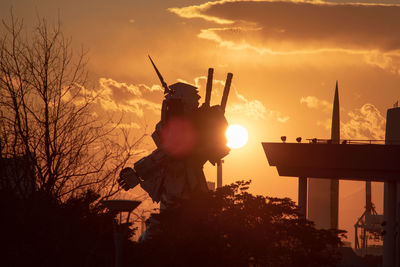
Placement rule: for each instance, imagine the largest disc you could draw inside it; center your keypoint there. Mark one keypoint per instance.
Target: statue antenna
(163, 83)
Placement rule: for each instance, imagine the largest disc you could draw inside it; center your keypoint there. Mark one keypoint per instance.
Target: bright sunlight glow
(237, 136)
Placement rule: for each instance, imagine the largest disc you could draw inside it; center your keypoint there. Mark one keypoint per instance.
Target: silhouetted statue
(186, 137)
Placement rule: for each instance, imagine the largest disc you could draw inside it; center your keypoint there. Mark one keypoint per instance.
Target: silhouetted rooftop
(325, 160)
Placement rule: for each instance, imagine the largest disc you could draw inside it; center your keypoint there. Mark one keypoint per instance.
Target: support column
(397, 226)
(389, 213)
(334, 203)
(302, 196)
(219, 173)
(391, 250)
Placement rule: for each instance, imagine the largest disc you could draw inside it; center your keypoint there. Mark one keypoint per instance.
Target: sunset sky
(285, 57)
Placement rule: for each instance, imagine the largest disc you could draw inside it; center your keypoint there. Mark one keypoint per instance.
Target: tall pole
(219, 173)
(118, 244)
(368, 197)
(302, 196)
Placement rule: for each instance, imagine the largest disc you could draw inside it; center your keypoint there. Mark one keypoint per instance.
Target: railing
(348, 141)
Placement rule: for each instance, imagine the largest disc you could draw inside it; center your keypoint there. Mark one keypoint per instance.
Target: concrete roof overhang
(338, 161)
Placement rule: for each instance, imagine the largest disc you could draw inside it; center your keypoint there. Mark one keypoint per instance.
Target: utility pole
(219, 173)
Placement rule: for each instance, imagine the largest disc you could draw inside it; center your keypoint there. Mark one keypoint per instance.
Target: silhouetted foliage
(372, 260)
(231, 227)
(39, 231)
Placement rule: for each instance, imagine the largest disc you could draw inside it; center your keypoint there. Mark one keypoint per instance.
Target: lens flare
(237, 136)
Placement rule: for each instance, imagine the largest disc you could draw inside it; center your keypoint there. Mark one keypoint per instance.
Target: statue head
(187, 93)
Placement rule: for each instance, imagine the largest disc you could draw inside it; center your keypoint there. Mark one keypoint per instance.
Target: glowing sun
(237, 136)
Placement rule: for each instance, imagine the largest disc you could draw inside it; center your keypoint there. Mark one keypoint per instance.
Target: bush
(39, 231)
(231, 227)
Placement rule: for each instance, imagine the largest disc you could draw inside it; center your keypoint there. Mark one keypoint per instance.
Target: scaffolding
(368, 227)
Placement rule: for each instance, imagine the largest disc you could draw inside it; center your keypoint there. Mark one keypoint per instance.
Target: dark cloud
(286, 26)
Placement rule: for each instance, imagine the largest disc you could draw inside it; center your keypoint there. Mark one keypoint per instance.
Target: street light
(120, 228)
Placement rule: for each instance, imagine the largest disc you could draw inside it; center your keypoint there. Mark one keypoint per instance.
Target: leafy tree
(231, 227)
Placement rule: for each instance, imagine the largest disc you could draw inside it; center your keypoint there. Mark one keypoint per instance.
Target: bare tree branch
(46, 114)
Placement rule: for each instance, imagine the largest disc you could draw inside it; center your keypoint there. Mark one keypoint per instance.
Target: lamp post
(219, 173)
(120, 228)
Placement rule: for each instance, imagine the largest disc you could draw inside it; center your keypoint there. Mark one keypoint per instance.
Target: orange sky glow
(285, 57)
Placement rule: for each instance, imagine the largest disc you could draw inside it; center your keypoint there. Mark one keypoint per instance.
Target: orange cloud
(253, 109)
(118, 96)
(389, 61)
(199, 12)
(238, 104)
(314, 102)
(365, 123)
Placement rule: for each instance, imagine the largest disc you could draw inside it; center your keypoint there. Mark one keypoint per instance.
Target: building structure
(17, 174)
(350, 161)
(370, 226)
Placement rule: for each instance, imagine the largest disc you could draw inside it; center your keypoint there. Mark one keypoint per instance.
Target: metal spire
(335, 129)
(335, 137)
